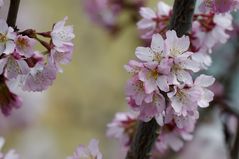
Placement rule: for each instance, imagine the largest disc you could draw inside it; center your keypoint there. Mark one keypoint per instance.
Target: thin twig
(12, 13)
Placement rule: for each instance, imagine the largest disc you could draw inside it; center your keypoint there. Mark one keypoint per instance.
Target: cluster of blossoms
(106, 12)
(162, 88)
(208, 29)
(32, 70)
(11, 154)
(219, 6)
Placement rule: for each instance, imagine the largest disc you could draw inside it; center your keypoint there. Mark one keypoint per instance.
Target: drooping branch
(181, 20)
(12, 13)
(147, 133)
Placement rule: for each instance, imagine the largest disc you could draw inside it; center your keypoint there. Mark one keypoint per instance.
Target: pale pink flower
(153, 108)
(58, 58)
(153, 78)
(7, 37)
(201, 83)
(24, 45)
(218, 6)
(90, 152)
(186, 123)
(123, 127)
(103, 12)
(184, 99)
(13, 66)
(135, 90)
(134, 66)
(154, 53)
(173, 139)
(177, 49)
(215, 33)
(40, 77)
(62, 36)
(153, 21)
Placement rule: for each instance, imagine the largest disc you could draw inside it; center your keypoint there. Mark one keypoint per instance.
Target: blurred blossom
(218, 6)
(90, 152)
(11, 154)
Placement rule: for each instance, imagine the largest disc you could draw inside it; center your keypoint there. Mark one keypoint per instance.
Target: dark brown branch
(182, 17)
(12, 13)
(147, 133)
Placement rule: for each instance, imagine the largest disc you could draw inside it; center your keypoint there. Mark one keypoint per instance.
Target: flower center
(22, 43)
(175, 52)
(157, 56)
(3, 38)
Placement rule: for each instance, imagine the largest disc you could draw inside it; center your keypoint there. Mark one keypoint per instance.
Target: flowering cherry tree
(170, 83)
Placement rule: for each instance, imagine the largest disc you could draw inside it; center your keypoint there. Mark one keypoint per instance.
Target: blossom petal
(144, 54)
(204, 80)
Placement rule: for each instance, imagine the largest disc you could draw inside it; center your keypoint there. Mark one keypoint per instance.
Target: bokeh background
(84, 98)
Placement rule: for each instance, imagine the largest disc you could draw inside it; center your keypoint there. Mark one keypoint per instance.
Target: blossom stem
(147, 133)
(12, 13)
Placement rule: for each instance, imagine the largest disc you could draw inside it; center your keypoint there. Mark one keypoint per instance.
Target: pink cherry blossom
(135, 90)
(123, 127)
(201, 83)
(152, 108)
(58, 57)
(24, 45)
(184, 99)
(90, 152)
(153, 22)
(134, 66)
(101, 12)
(173, 139)
(153, 54)
(7, 37)
(40, 77)
(153, 78)
(62, 36)
(218, 6)
(13, 66)
(177, 49)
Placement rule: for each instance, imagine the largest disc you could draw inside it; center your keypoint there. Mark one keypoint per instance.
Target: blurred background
(84, 98)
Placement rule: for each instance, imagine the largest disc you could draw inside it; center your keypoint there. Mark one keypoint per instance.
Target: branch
(182, 17)
(147, 133)
(12, 13)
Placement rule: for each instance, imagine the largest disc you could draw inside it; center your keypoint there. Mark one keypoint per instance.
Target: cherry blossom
(40, 77)
(90, 152)
(25, 45)
(153, 21)
(7, 37)
(218, 6)
(122, 127)
(62, 36)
